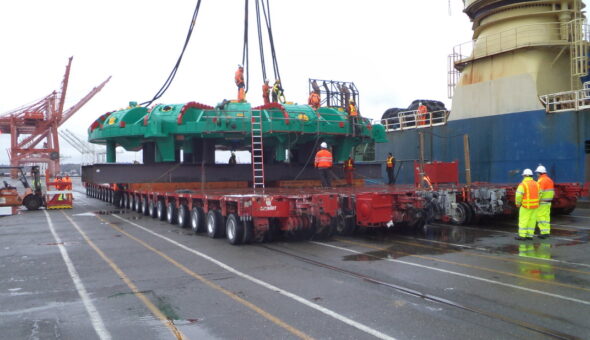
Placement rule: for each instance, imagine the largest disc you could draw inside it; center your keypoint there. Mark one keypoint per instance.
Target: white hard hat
(240, 66)
(527, 172)
(325, 146)
(541, 169)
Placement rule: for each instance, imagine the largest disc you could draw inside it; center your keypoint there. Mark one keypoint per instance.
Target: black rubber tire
(171, 213)
(161, 210)
(463, 214)
(344, 226)
(137, 204)
(183, 216)
(234, 229)
(248, 232)
(470, 212)
(145, 206)
(215, 225)
(117, 199)
(32, 202)
(327, 231)
(153, 209)
(431, 105)
(129, 201)
(198, 220)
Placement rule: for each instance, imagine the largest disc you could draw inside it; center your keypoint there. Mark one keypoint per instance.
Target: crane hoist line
(262, 14)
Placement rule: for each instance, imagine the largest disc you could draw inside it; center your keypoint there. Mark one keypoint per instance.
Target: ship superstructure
(522, 52)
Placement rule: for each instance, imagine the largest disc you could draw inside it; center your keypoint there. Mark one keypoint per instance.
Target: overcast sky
(394, 51)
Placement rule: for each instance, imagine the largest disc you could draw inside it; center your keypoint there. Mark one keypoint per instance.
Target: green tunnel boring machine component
(197, 130)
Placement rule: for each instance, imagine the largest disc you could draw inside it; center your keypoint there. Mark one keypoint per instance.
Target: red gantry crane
(33, 128)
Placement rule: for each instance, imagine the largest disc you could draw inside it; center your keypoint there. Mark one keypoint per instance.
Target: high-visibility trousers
(527, 221)
(544, 218)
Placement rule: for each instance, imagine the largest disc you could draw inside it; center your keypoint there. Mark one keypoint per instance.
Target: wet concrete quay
(97, 272)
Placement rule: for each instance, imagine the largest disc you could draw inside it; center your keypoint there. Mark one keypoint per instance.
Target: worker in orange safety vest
(314, 100)
(323, 162)
(546, 196)
(68, 186)
(349, 170)
(422, 112)
(239, 79)
(527, 199)
(266, 92)
(60, 185)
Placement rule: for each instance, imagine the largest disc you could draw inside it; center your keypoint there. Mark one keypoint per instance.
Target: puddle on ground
(442, 233)
(398, 250)
(109, 212)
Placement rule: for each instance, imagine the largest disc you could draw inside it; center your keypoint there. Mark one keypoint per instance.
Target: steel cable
(172, 74)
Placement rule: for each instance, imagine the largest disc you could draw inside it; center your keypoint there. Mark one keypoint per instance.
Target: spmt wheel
(234, 229)
(197, 220)
(344, 226)
(129, 201)
(214, 224)
(462, 214)
(171, 213)
(248, 231)
(161, 210)
(153, 209)
(183, 216)
(145, 206)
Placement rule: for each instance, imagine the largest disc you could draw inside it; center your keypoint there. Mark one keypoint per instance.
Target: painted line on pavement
(467, 265)
(269, 286)
(155, 310)
(513, 233)
(491, 257)
(490, 250)
(217, 287)
(95, 317)
(457, 274)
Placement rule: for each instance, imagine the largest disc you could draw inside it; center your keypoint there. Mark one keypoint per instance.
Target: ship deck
(97, 271)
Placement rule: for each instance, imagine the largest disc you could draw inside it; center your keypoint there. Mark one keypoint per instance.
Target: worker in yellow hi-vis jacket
(527, 199)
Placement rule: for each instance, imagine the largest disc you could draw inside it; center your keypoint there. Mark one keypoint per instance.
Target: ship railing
(567, 101)
(407, 120)
(542, 34)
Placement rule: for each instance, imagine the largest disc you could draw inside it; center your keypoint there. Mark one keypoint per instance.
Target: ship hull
(501, 146)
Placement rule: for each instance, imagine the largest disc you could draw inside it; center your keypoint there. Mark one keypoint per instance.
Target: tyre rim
(210, 226)
(461, 214)
(231, 230)
(194, 221)
(181, 216)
